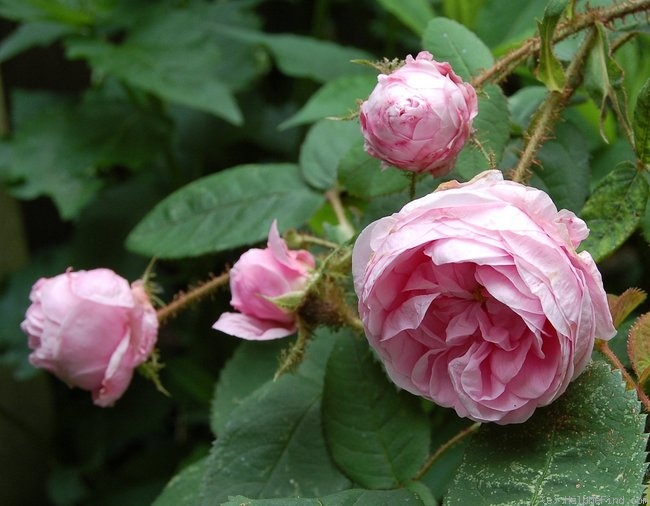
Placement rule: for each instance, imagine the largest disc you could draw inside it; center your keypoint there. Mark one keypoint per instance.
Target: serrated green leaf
(491, 129)
(622, 305)
(524, 103)
(638, 346)
(59, 151)
(252, 365)
(450, 41)
(463, 11)
(324, 147)
(378, 436)
(337, 97)
(588, 443)
(445, 424)
(614, 210)
(500, 26)
(363, 176)
(549, 70)
(170, 54)
(27, 104)
(645, 224)
(32, 34)
(26, 424)
(604, 82)
(75, 13)
(352, 497)
(301, 56)
(563, 172)
(321, 60)
(183, 489)
(224, 210)
(415, 14)
(641, 125)
(422, 492)
(273, 445)
(164, 71)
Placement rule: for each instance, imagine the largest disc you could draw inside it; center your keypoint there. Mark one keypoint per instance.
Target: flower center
(480, 294)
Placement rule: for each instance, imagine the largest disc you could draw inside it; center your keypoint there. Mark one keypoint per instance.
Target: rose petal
(250, 328)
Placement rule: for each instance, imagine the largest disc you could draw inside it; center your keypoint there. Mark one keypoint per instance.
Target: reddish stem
(183, 300)
(604, 348)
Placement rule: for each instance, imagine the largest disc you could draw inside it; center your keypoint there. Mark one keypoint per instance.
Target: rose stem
(293, 357)
(444, 447)
(183, 300)
(310, 239)
(604, 348)
(604, 15)
(334, 199)
(549, 112)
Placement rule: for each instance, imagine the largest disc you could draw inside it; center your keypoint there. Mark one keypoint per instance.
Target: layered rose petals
(259, 276)
(419, 117)
(474, 297)
(91, 329)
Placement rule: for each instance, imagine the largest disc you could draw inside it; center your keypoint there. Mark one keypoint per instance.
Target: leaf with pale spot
(590, 442)
(641, 124)
(352, 497)
(614, 210)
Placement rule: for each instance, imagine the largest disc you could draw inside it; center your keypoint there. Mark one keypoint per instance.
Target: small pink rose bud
(419, 117)
(258, 277)
(90, 329)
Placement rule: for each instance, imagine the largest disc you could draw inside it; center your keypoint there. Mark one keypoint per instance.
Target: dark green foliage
(181, 129)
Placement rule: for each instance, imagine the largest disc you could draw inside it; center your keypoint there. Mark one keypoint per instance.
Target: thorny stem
(604, 348)
(338, 260)
(444, 447)
(488, 156)
(548, 113)
(293, 357)
(183, 300)
(310, 239)
(605, 15)
(334, 199)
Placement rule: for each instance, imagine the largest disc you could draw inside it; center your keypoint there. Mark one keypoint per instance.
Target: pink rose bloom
(475, 298)
(419, 117)
(90, 329)
(260, 275)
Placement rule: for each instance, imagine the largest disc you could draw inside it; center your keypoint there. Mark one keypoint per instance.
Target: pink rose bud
(474, 297)
(259, 276)
(90, 329)
(419, 117)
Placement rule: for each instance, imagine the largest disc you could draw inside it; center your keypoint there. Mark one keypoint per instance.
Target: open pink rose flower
(90, 329)
(259, 276)
(474, 297)
(419, 117)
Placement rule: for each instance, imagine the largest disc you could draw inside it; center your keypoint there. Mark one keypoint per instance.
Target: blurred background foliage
(110, 105)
